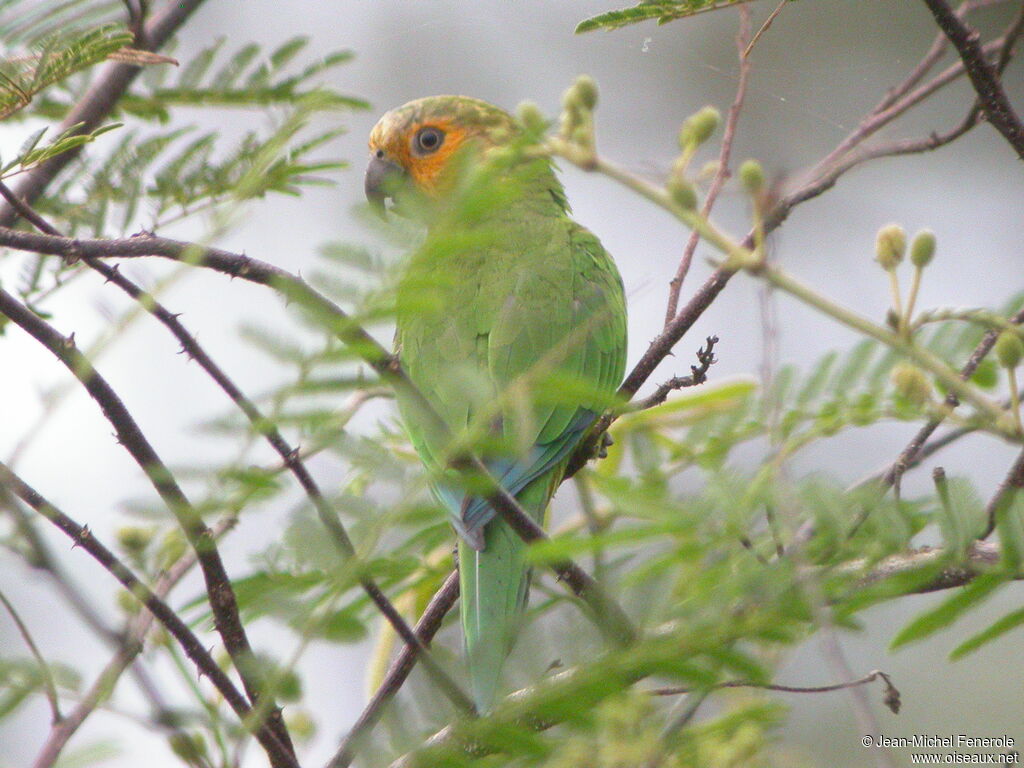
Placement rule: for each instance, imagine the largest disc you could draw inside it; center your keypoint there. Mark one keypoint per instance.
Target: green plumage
(512, 324)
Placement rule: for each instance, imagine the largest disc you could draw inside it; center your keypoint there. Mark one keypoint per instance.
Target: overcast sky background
(817, 70)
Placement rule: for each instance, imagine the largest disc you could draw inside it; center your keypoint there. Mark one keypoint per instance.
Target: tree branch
(890, 695)
(426, 628)
(129, 649)
(218, 585)
(193, 647)
(722, 174)
(984, 76)
(908, 454)
(291, 457)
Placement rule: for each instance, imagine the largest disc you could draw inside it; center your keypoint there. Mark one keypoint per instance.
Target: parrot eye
(427, 140)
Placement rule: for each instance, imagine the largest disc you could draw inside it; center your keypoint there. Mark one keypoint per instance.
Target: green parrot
(511, 322)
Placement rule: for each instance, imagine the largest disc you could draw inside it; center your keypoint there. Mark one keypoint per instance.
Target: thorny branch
(218, 585)
(290, 456)
(280, 753)
(129, 649)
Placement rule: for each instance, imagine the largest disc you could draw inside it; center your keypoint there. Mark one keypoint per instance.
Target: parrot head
(414, 148)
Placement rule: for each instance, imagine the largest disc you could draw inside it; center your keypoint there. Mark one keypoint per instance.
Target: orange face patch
(397, 139)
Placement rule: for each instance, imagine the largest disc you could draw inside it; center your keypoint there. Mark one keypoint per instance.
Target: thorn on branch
(698, 375)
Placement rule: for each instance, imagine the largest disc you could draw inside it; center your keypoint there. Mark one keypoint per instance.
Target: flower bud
(683, 193)
(133, 539)
(531, 118)
(1009, 349)
(890, 245)
(912, 383)
(699, 127)
(752, 176)
(582, 94)
(922, 249)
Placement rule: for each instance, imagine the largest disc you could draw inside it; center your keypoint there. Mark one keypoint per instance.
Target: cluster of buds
(890, 251)
(1009, 350)
(578, 104)
(696, 129)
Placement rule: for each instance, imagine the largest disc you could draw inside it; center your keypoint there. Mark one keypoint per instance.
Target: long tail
(494, 589)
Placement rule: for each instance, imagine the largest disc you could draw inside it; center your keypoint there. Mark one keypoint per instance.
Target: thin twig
(426, 628)
(49, 686)
(722, 173)
(698, 375)
(1011, 485)
(891, 696)
(290, 456)
(983, 75)
(218, 585)
(193, 647)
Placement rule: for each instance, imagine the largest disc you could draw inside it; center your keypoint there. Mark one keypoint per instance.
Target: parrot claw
(607, 441)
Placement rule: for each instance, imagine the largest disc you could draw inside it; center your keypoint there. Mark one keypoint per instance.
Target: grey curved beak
(382, 178)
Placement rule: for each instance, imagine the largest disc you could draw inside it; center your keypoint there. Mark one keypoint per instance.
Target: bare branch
(698, 375)
(426, 628)
(744, 44)
(193, 647)
(984, 76)
(890, 695)
(218, 585)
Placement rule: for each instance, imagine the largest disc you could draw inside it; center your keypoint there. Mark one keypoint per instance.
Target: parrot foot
(606, 442)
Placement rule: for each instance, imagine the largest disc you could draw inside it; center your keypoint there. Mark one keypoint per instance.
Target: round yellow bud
(912, 383)
(922, 249)
(531, 118)
(890, 245)
(134, 539)
(699, 127)
(683, 193)
(752, 176)
(584, 92)
(1009, 349)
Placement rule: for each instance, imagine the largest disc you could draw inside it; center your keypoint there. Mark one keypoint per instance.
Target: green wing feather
(541, 306)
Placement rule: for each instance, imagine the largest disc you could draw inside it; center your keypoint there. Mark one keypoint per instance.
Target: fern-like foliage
(663, 12)
(52, 60)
